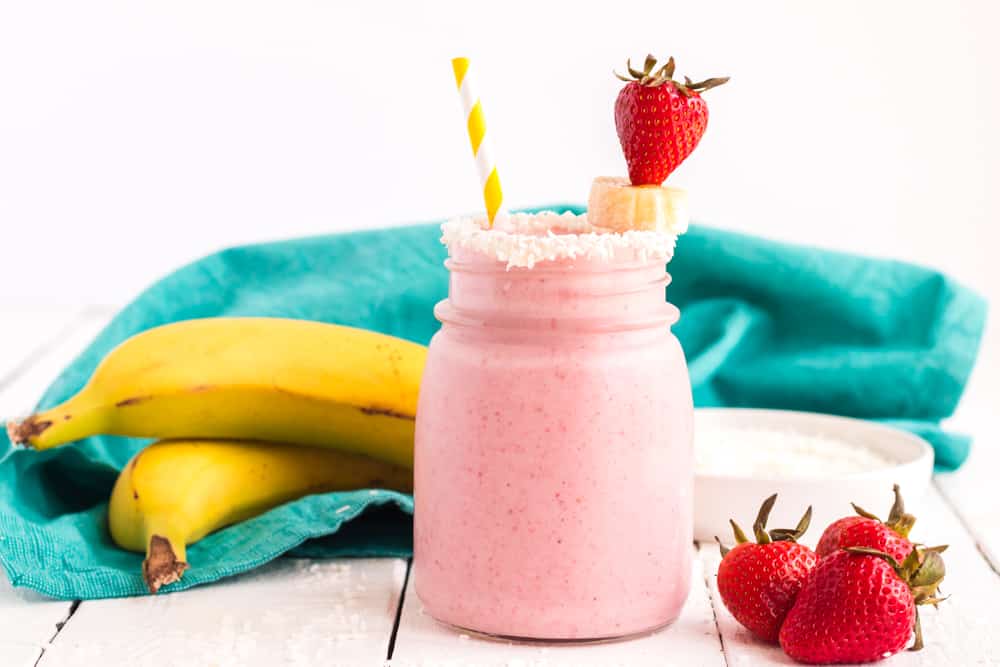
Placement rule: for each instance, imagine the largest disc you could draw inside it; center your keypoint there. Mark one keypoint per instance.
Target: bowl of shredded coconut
(744, 455)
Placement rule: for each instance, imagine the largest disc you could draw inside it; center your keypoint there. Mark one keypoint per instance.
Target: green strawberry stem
(647, 77)
(760, 523)
(918, 633)
(899, 521)
(792, 535)
(722, 548)
(738, 532)
(764, 536)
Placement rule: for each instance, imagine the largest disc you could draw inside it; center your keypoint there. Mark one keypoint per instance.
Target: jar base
(556, 641)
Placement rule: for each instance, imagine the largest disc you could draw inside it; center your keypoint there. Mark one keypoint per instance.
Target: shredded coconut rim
(525, 239)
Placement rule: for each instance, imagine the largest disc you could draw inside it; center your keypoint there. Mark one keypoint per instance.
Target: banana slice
(615, 205)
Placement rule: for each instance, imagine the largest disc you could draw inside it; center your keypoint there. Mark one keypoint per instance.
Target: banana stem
(165, 561)
(62, 424)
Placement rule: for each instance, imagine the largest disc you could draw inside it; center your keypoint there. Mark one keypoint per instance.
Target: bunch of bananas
(250, 413)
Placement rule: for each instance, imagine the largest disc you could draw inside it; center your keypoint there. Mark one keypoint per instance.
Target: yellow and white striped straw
(488, 178)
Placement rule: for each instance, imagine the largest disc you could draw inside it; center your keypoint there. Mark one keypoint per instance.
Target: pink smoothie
(553, 477)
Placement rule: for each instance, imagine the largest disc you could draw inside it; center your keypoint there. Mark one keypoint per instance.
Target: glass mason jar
(554, 464)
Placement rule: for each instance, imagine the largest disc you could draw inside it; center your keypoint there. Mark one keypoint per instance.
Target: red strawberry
(859, 605)
(867, 530)
(758, 581)
(659, 120)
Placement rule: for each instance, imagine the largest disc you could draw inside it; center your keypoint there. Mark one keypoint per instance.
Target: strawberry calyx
(764, 536)
(665, 74)
(899, 521)
(923, 570)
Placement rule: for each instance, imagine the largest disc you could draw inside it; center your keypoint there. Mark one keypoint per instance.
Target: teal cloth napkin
(763, 324)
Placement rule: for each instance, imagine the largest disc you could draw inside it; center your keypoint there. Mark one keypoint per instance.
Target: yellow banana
(175, 492)
(248, 378)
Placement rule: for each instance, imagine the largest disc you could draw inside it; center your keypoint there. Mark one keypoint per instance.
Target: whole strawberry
(867, 530)
(659, 120)
(758, 581)
(859, 605)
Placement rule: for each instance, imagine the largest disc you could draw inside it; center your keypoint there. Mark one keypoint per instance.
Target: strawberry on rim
(659, 120)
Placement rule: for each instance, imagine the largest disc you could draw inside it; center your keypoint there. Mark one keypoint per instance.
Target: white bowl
(719, 497)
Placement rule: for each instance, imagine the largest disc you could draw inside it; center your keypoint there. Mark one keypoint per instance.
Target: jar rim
(487, 265)
(525, 240)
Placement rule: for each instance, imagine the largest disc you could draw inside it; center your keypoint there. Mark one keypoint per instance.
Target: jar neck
(578, 295)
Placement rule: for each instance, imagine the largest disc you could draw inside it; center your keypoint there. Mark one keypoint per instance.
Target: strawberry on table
(859, 605)
(759, 581)
(659, 120)
(867, 530)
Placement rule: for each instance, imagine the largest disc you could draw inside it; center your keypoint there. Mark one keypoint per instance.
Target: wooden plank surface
(972, 493)
(972, 490)
(34, 346)
(691, 640)
(290, 612)
(960, 632)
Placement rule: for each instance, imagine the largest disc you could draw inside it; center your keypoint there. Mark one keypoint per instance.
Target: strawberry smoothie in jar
(553, 471)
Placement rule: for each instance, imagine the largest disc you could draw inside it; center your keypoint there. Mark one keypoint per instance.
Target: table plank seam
(967, 527)
(59, 628)
(706, 573)
(399, 611)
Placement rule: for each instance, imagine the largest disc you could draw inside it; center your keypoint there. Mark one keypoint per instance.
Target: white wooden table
(364, 612)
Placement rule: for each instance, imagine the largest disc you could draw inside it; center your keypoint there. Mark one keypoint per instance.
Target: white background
(136, 136)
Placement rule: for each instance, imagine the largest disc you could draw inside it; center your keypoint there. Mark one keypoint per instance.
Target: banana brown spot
(32, 427)
(131, 401)
(161, 566)
(382, 412)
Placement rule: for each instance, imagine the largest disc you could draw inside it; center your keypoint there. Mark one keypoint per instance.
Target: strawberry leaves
(899, 521)
(647, 77)
(760, 532)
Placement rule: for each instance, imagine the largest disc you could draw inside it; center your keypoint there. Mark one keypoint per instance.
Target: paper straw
(488, 179)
